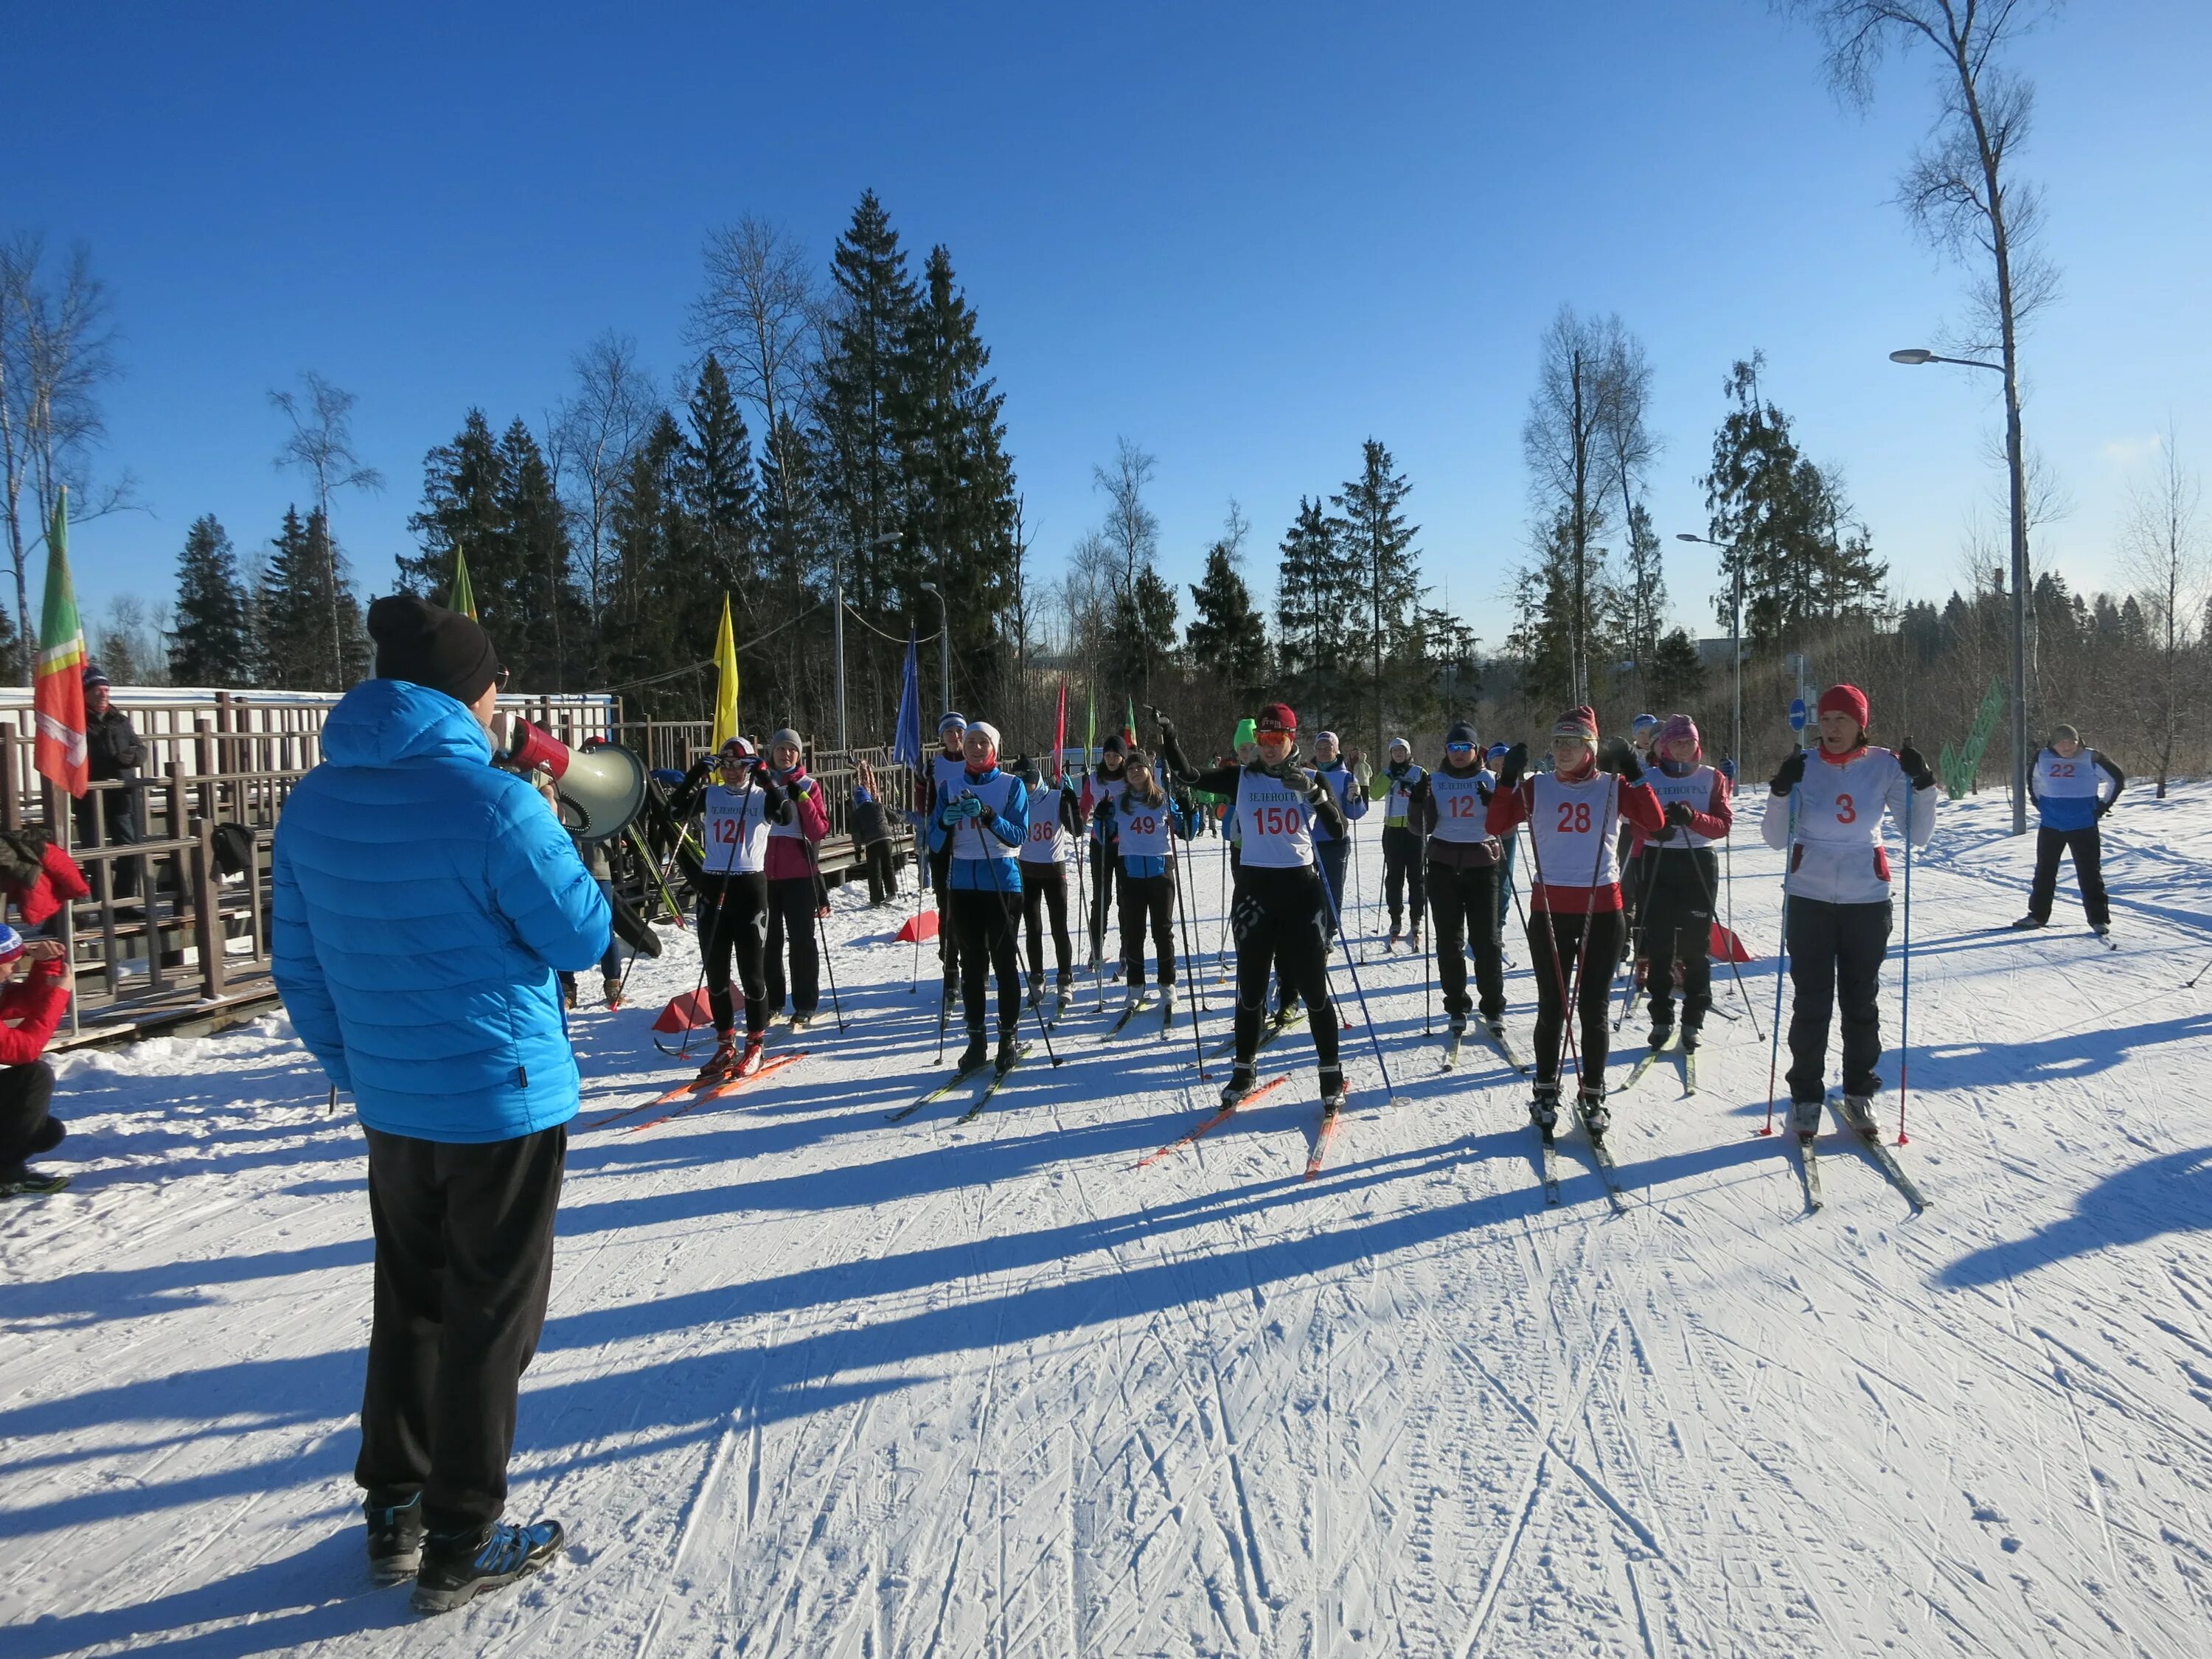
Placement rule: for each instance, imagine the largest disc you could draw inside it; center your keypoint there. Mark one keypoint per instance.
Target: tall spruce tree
(294, 607)
(658, 619)
(861, 390)
(721, 494)
(212, 643)
(1308, 593)
(1373, 533)
(1227, 635)
(493, 500)
(957, 480)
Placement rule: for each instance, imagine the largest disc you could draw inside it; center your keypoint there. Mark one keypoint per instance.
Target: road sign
(1796, 713)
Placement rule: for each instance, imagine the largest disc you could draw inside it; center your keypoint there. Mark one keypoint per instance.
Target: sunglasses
(499, 678)
(1459, 748)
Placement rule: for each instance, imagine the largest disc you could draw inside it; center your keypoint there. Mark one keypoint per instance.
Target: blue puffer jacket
(423, 900)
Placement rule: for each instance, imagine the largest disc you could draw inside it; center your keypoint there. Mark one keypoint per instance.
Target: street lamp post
(2015, 465)
(943, 649)
(1736, 637)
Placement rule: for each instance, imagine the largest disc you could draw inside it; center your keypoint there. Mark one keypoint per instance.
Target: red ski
(1328, 1122)
(1214, 1122)
(728, 1085)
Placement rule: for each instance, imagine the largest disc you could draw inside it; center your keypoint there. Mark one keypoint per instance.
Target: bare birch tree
(594, 435)
(321, 446)
(57, 351)
(2165, 558)
(760, 312)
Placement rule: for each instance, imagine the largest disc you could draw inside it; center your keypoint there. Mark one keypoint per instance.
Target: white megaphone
(601, 786)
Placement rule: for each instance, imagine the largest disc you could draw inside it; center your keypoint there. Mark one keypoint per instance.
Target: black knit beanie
(431, 646)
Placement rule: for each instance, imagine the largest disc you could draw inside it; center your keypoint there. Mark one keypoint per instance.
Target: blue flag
(906, 743)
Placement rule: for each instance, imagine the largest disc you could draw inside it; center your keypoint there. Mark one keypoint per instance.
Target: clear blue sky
(1246, 237)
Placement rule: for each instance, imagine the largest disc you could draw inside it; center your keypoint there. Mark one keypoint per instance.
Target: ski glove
(1914, 765)
(1516, 763)
(701, 769)
(1789, 773)
(1727, 769)
(1616, 755)
(960, 811)
(1678, 814)
(2103, 807)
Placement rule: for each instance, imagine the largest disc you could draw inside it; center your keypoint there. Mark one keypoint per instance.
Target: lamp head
(1912, 355)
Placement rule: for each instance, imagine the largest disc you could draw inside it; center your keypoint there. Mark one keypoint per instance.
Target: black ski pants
(1677, 919)
(1574, 954)
(1835, 953)
(948, 941)
(1401, 865)
(464, 1263)
(1044, 895)
(733, 930)
(882, 872)
(1104, 868)
(790, 905)
(27, 1128)
(985, 922)
(1464, 901)
(1148, 901)
(1281, 921)
(1332, 856)
(2087, 846)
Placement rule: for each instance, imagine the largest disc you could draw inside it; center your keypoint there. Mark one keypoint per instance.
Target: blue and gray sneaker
(458, 1566)
(395, 1536)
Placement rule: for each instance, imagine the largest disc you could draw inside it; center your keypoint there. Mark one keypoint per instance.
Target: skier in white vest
(2069, 783)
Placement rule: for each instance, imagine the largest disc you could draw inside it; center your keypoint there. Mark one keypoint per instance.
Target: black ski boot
(1455, 1022)
(1544, 1108)
(1662, 1032)
(1332, 1090)
(395, 1537)
(1691, 1037)
(1596, 1118)
(975, 1053)
(1010, 1050)
(459, 1566)
(1243, 1079)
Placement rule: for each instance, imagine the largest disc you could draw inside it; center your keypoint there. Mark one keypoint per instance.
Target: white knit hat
(990, 733)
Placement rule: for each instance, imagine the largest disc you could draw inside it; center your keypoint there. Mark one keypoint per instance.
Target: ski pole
(1781, 963)
(1429, 969)
(921, 872)
(2200, 972)
(1712, 908)
(1390, 1089)
(822, 937)
(1904, 1022)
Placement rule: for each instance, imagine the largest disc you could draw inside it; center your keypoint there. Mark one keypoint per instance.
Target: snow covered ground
(814, 1383)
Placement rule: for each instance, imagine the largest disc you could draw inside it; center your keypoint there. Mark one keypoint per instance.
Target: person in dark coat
(425, 900)
(871, 836)
(115, 752)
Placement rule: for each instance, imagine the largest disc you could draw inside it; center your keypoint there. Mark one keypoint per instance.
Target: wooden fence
(175, 935)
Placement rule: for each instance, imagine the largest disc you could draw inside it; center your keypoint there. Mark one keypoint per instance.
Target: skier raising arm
(1826, 809)
(1575, 904)
(981, 828)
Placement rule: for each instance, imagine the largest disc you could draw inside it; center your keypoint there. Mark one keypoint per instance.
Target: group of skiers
(1622, 847)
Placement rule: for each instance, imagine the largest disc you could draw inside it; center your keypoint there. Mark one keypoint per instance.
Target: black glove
(1514, 763)
(1789, 773)
(986, 815)
(773, 797)
(1483, 793)
(1167, 726)
(1616, 755)
(2103, 807)
(701, 769)
(1914, 765)
(1678, 814)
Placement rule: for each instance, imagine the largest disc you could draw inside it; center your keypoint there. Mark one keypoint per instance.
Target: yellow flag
(725, 690)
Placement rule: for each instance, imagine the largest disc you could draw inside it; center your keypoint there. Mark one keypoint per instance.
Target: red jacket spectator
(790, 845)
(38, 875)
(30, 1008)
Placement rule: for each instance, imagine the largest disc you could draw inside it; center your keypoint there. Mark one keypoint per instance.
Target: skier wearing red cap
(739, 806)
(1677, 876)
(1279, 911)
(1573, 813)
(1828, 816)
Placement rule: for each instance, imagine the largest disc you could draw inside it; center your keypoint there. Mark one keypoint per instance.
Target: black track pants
(1677, 919)
(733, 929)
(1280, 921)
(2087, 846)
(985, 922)
(1835, 953)
(1578, 953)
(1103, 866)
(464, 1262)
(1401, 867)
(1464, 902)
(1148, 901)
(791, 904)
(1044, 896)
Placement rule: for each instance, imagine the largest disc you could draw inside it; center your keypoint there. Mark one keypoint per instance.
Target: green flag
(463, 598)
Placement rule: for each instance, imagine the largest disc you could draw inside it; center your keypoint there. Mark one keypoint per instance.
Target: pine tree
(1542, 643)
(720, 494)
(494, 499)
(1227, 633)
(1307, 584)
(656, 620)
(862, 392)
(293, 608)
(1383, 586)
(1643, 595)
(1676, 674)
(11, 650)
(212, 643)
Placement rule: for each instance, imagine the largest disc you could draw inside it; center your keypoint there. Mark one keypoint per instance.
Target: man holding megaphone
(424, 900)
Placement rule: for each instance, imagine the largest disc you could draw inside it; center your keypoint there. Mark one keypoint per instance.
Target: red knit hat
(1579, 722)
(1846, 700)
(1276, 717)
